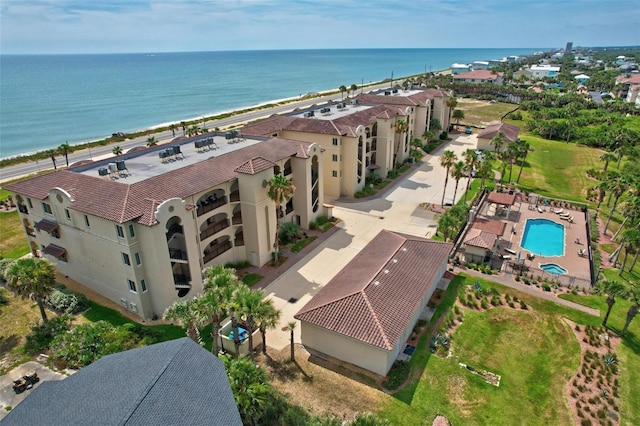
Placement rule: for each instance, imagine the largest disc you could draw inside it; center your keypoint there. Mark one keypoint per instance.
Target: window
(334, 157)
(120, 231)
(132, 286)
(138, 260)
(47, 208)
(86, 221)
(334, 173)
(132, 232)
(67, 214)
(335, 141)
(29, 202)
(125, 259)
(143, 286)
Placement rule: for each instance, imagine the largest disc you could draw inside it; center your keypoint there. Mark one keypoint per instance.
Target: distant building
(581, 78)
(568, 47)
(460, 68)
(627, 87)
(480, 76)
(509, 131)
(495, 63)
(542, 71)
(149, 386)
(480, 65)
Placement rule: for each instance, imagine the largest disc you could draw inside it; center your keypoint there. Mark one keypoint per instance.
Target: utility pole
(391, 84)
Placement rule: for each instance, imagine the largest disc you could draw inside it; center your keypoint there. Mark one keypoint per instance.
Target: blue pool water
(543, 237)
(552, 268)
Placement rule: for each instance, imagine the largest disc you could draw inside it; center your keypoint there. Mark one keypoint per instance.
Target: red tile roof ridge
(383, 333)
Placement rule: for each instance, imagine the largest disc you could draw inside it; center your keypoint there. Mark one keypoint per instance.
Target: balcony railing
(207, 205)
(239, 240)
(23, 209)
(234, 196)
(177, 254)
(175, 229)
(288, 171)
(216, 251)
(214, 229)
(181, 281)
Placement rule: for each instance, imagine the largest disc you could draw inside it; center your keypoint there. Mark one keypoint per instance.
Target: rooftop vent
(309, 114)
(387, 93)
(354, 102)
(341, 105)
(325, 110)
(386, 271)
(395, 260)
(395, 90)
(376, 282)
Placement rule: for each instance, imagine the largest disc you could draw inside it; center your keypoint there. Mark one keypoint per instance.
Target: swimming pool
(543, 237)
(552, 268)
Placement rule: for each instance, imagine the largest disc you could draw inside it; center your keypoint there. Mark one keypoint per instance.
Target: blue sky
(101, 26)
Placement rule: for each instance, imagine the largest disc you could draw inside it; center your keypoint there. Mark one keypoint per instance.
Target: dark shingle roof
(509, 131)
(121, 202)
(170, 383)
(375, 295)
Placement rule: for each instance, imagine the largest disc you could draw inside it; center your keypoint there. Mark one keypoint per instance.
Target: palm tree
(634, 296)
(65, 149)
(51, 153)
(485, 169)
(280, 189)
(447, 160)
(452, 102)
(250, 387)
(342, 89)
(401, 126)
(268, 319)
(607, 157)
(497, 142)
(172, 127)
(184, 312)
(292, 326)
(630, 241)
(617, 187)
(151, 141)
(33, 278)
(458, 114)
(611, 289)
(354, 88)
(471, 161)
(457, 172)
(250, 307)
(117, 150)
(220, 287)
(525, 149)
(435, 126)
(513, 151)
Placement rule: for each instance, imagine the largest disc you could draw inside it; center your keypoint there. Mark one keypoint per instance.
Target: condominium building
(367, 134)
(140, 230)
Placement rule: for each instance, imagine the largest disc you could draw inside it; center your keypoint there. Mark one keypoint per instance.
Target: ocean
(46, 100)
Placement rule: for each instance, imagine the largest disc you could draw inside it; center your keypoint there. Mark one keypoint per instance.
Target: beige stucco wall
(484, 144)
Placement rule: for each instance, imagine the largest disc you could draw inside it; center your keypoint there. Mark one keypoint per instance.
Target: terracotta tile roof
(417, 99)
(509, 131)
(478, 75)
(46, 225)
(121, 202)
(494, 226)
(482, 239)
(54, 250)
(501, 198)
(624, 79)
(374, 296)
(255, 165)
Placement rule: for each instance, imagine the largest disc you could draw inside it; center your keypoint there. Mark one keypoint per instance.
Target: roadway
(32, 167)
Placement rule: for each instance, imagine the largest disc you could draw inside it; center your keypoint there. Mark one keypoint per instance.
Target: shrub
(321, 220)
(444, 136)
(313, 225)
(4, 299)
(288, 231)
(41, 336)
(546, 287)
(512, 305)
(67, 301)
(238, 265)
(484, 303)
(523, 305)
(397, 375)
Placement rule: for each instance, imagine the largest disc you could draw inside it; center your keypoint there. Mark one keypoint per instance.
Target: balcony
(175, 229)
(23, 209)
(216, 251)
(214, 229)
(288, 171)
(181, 281)
(236, 219)
(207, 205)
(239, 239)
(234, 197)
(178, 255)
(30, 231)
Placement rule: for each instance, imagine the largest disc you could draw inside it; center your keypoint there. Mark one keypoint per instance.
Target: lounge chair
(570, 219)
(582, 252)
(540, 209)
(558, 211)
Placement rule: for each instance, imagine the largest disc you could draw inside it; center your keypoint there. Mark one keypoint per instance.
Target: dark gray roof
(170, 383)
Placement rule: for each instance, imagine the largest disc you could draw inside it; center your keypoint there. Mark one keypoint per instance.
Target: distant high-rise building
(569, 46)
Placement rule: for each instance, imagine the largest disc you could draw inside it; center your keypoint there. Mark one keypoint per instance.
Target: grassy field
(480, 113)
(13, 242)
(16, 319)
(534, 351)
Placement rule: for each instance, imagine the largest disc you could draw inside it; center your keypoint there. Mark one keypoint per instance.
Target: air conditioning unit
(309, 114)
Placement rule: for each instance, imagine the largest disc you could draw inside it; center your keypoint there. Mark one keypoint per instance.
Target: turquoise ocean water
(46, 100)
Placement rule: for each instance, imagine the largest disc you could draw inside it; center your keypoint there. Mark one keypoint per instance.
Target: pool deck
(509, 244)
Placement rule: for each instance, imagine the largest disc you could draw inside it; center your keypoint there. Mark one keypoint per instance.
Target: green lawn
(534, 351)
(628, 353)
(480, 113)
(13, 242)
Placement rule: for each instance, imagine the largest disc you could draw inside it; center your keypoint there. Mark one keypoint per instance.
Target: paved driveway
(397, 210)
(8, 398)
